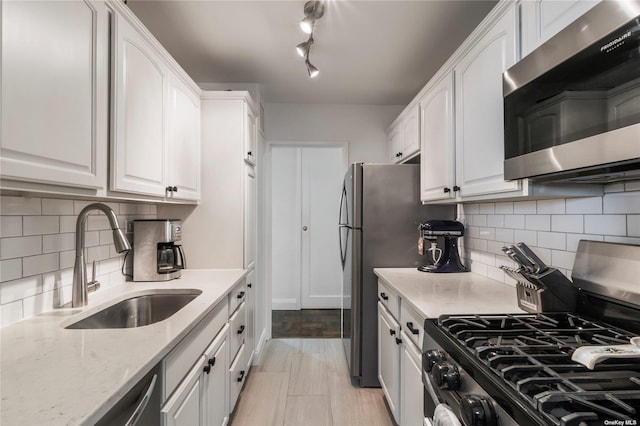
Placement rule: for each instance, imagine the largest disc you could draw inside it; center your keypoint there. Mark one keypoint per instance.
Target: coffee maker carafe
(156, 256)
(447, 258)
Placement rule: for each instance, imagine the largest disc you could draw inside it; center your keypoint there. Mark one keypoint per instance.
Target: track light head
(303, 48)
(312, 70)
(312, 10)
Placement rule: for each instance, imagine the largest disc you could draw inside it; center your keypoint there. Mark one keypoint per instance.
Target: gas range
(517, 369)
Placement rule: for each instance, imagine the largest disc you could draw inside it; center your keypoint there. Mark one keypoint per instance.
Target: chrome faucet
(79, 290)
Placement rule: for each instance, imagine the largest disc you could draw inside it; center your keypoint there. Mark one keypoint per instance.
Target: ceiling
(368, 52)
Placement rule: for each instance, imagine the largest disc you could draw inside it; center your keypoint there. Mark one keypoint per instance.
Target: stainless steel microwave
(572, 107)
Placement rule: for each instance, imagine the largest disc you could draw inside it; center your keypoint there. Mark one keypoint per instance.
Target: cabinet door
(389, 359)
(237, 377)
(411, 393)
(250, 136)
(395, 144)
(250, 333)
(184, 407)
(437, 160)
(250, 217)
(542, 19)
(55, 82)
(215, 397)
(183, 160)
(479, 110)
(410, 125)
(138, 145)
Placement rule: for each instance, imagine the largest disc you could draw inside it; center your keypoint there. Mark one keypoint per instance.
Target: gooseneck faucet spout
(79, 290)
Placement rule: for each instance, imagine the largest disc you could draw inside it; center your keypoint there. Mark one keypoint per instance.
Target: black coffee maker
(446, 259)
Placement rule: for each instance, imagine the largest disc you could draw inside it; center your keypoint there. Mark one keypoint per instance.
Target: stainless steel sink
(137, 311)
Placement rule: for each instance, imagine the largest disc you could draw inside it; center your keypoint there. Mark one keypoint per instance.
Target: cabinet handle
(241, 376)
(456, 188)
(241, 295)
(384, 296)
(207, 369)
(250, 154)
(212, 361)
(400, 154)
(392, 332)
(174, 189)
(446, 190)
(413, 330)
(169, 188)
(398, 340)
(241, 329)
(249, 285)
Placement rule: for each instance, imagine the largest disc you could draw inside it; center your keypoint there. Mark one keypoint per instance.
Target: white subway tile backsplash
(19, 206)
(67, 224)
(487, 208)
(128, 208)
(478, 268)
(633, 225)
(605, 224)
(567, 223)
(479, 220)
(541, 222)
(551, 206)
(504, 208)
(10, 313)
(58, 242)
(562, 259)
(470, 209)
(495, 273)
(40, 225)
(51, 206)
(67, 259)
(57, 279)
(552, 240)
(528, 237)
(495, 247)
(98, 223)
(543, 253)
(574, 239)
(524, 207)
(495, 220)
(10, 269)
(625, 203)
(515, 221)
(504, 235)
(19, 289)
(92, 238)
(20, 246)
(37, 304)
(33, 265)
(488, 233)
(10, 226)
(592, 205)
(472, 231)
(97, 253)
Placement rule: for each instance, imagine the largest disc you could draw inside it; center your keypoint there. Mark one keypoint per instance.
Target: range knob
(477, 410)
(446, 375)
(432, 357)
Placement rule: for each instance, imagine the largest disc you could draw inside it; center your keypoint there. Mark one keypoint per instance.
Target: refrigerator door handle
(343, 247)
(343, 199)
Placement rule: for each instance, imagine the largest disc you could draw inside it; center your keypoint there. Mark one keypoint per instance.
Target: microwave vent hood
(572, 106)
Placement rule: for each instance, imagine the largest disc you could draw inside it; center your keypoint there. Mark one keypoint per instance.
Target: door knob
(304, 228)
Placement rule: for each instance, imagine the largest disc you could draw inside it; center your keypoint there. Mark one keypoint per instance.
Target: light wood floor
(305, 382)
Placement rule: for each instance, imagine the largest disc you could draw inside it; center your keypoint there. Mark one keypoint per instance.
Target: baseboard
(259, 352)
(284, 304)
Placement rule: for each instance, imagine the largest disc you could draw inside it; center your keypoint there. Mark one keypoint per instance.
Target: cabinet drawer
(237, 296)
(237, 330)
(237, 376)
(411, 323)
(176, 365)
(389, 299)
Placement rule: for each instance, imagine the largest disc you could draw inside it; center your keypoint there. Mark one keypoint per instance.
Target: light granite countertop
(53, 376)
(432, 295)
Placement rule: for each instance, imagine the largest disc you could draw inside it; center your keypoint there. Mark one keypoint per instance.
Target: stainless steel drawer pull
(384, 296)
(413, 330)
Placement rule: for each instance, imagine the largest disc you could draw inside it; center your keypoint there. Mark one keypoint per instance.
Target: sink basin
(137, 311)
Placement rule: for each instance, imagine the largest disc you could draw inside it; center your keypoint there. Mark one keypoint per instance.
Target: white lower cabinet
(216, 382)
(411, 387)
(185, 406)
(389, 359)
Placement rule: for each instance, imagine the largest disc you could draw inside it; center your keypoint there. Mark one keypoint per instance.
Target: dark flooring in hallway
(306, 323)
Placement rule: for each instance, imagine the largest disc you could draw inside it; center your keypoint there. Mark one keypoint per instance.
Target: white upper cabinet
(250, 137)
(138, 145)
(437, 160)
(479, 110)
(155, 146)
(55, 86)
(183, 161)
(542, 19)
(404, 136)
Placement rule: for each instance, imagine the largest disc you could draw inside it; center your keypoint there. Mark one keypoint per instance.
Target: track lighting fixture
(313, 10)
(303, 48)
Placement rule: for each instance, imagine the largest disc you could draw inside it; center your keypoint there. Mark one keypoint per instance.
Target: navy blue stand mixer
(446, 259)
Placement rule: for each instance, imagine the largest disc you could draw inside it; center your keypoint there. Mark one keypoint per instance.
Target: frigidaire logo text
(615, 41)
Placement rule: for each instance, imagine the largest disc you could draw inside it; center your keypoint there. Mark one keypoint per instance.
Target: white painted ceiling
(368, 52)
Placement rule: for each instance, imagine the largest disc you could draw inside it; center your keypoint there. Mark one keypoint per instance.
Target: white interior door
(306, 184)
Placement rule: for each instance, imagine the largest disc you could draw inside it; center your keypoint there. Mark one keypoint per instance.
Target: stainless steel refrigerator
(380, 211)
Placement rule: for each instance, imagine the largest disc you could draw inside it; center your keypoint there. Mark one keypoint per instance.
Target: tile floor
(323, 323)
(305, 382)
